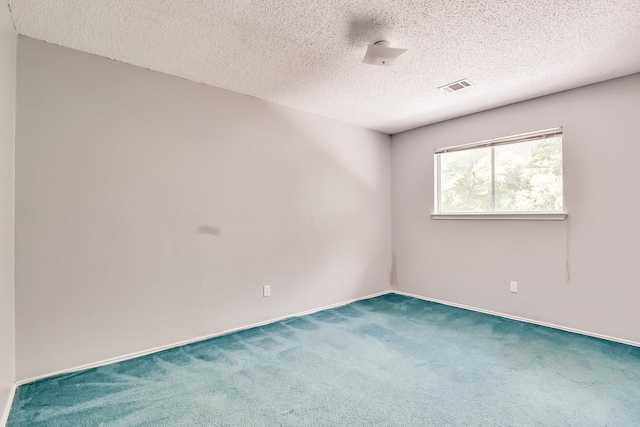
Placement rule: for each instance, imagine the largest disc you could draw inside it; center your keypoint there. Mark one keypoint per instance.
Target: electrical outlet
(266, 290)
(514, 287)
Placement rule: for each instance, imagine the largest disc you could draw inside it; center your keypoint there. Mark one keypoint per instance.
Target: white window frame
(518, 215)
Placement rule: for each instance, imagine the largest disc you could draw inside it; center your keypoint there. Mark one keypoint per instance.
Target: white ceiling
(307, 54)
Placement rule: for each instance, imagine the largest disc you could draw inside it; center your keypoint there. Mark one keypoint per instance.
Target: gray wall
(7, 114)
(581, 273)
(152, 210)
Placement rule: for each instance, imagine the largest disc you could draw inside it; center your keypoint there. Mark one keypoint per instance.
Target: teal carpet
(387, 361)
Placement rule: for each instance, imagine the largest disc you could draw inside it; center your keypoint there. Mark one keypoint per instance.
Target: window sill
(526, 216)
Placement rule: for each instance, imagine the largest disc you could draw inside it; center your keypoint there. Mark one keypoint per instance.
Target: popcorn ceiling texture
(307, 54)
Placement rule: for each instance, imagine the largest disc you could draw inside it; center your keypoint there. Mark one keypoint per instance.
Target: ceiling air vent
(455, 86)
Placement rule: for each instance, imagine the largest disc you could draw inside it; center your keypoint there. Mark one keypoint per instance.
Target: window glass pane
(529, 176)
(465, 181)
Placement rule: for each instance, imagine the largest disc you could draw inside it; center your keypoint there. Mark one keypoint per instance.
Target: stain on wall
(393, 274)
(207, 229)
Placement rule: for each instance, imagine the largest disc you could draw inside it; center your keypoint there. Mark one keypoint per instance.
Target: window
(516, 177)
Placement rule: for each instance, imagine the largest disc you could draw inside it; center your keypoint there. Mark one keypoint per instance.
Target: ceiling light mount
(381, 53)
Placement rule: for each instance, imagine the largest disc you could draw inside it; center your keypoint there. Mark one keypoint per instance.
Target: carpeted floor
(386, 361)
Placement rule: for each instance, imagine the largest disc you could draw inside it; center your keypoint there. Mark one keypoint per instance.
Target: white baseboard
(304, 313)
(4, 416)
(191, 341)
(520, 319)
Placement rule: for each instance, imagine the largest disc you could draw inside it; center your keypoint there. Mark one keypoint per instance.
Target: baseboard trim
(520, 319)
(304, 313)
(191, 341)
(4, 416)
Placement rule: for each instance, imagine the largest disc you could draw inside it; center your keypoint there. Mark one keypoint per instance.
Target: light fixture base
(380, 53)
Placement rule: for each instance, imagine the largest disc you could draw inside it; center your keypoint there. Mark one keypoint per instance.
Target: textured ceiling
(307, 54)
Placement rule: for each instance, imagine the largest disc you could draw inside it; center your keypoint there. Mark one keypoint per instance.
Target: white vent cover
(455, 86)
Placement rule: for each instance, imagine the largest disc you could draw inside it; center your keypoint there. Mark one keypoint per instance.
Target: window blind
(530, 136)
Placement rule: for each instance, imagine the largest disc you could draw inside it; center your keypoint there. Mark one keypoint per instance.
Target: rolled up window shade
(530, 136)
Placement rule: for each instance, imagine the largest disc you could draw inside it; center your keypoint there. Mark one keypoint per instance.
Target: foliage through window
(518, 174)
